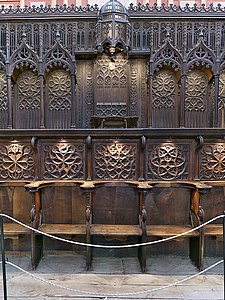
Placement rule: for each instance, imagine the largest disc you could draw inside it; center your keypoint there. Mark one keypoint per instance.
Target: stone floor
(111, 276)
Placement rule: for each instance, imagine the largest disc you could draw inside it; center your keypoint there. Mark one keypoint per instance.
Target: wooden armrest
(13, 230)
(182, 184)
(36, 185)
(63, 229)
(169, 230)
(115, 230)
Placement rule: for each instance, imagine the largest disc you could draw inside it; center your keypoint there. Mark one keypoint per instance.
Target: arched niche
(26, 99)
(58, 101)
(199, 98)
(165, 98)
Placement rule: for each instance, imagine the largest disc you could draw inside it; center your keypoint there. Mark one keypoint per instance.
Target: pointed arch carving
(59, 57)
(201, 55)
(24, 56)
(168, 55)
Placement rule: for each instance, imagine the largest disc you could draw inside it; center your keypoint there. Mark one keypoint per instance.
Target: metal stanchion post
(3, 257)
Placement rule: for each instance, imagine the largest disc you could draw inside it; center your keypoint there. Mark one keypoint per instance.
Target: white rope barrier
(116, 246)
(113, 295)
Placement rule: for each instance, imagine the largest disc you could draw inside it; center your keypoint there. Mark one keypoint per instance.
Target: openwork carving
(221, 96)
(168, 161)
(29, 91)
(57, 56)
(111, 73)
(16, 162)
(133, 89)
(167, 56)
(111, 109)
(115, 161)
(163, 91)
(201, 55)
(3, 91)
(212, 162)
(64, 161)
(195, 97)
(59, 85)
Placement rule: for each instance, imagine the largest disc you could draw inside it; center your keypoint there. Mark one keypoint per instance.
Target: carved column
(216, 95)
(41, 77)
(182, 101)
(149, 102)
(73, 97)
(9, 93)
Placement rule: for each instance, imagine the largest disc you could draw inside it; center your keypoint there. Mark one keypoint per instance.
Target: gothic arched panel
(58, 100)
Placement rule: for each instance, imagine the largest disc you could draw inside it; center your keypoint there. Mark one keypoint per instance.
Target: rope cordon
(116, 294)
(115, 246)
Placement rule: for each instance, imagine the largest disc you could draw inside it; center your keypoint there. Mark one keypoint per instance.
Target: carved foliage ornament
(168, 162)
(212, 162)
(196, 86)
(16, 162)
(163, 90)
(3, 91)
(221, 96)
(115, 161)
(29, 91)
(59, 84)
(64, 161)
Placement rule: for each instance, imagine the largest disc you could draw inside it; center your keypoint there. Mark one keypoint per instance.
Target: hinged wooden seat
(169, 230)
(14, 230)
(115, 230)
(63, 229)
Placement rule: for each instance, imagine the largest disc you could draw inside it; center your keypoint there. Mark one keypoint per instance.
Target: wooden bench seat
(115, 230)
(63, 229)
(165, 231)
(214, 230)
(14, 230)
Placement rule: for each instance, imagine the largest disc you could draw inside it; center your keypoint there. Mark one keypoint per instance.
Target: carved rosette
(3, 91)
(163, 90)
(115, 161)
(29, 91)
(59, 84)
(64, 161)
(16, 162)
(212, 162)
(195, 92)
(168, 161)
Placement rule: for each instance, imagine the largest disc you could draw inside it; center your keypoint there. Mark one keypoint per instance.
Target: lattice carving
(111, 73)
(16, 162)
(24, 56)
(57, 56)
(111, 109)
(201, 55)
(89, 93)
(59, 85)
(212, 162)
(115, 161)
(64, 161)
(168, 161)
(196, 86)
(3, 92)
(133, 88)
(221, 96)
(29, 91)
(163, 90)
(167, 56)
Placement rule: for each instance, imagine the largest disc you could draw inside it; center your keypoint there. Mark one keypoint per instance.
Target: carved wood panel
(16, 161)
(115, 160)
(3, 100)
(168, 161)
(212, 161)
(27, 101)
(197, 100)
(58, 100)
(111, 88)
(63, 160)
(221, 100)
(165, 102)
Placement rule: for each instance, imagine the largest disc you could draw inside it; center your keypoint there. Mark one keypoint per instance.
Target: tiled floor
(111, 276)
